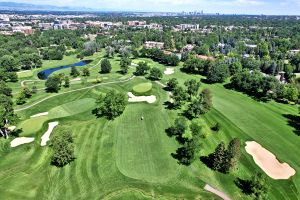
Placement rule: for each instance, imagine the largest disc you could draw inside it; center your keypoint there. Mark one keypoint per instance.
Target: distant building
(137, 23)
(153, 26)
(45, 26)
(294, 51)
(188, 27)
(187, 48)
(27, 30)
(152, 44)
(204, 57)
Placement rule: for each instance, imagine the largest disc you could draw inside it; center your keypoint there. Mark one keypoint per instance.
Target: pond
(47, 72)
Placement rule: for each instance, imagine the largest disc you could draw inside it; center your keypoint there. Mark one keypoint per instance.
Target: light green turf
(25, 74)
(32, 125)
(142, 88)
(129, 158)
(143, 148)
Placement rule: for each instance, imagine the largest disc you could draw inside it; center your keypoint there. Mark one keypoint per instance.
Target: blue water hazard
(47, 72)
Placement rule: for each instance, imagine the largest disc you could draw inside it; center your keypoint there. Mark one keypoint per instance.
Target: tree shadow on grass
(168, 105)
(258, 96)
(244, 185)
(293, 121)
(207, 160)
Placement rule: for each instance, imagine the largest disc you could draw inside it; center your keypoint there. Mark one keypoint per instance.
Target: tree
(235, 67)
(4, 89)
(109, 51)
(178, 128)
(67, 81)
(172, 84)
(217, 73)
(186, 154)
(195, 65)
(142, 69)
(179, 97)
(232, 156)
(105, 66)
(207, 99)
(201, 105)
(192, 87)
(21, 99)
(7, 115)
(124, 64)
(27, 93)
(8, 63)
(85, 72)
(219, 157)
(53, 83)
(74, 72)
(63, 148)
(111, 105)
(155, 74)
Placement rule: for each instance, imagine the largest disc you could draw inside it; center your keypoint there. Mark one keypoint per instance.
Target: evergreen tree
(74, 72)
(105, 66)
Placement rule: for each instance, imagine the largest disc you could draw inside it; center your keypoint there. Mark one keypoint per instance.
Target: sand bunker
(76, 79)
(46, 136)
(133, 98)
(216, 192)
(21, 140)
(268, 162)
(39, 115)
(169, 71)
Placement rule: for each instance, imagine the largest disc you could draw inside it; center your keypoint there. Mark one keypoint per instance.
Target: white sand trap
(148, 99)
(46, 136)
(76, 79)
(268, 162)
(169, 71)
(216, 192)
(39, 115)
(134, 65)
(21, 140)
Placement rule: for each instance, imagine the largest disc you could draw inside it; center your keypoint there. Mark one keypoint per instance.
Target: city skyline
(267, 7)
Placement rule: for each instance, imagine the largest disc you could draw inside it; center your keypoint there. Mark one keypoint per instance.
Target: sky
(268, 7)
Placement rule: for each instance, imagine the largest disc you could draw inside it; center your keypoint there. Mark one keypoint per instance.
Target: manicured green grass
(142, 88)
(129, 158)
(32, 125)
(25, 74)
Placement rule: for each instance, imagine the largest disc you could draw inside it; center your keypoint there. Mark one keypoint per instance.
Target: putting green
(32, 125)
(142, 88)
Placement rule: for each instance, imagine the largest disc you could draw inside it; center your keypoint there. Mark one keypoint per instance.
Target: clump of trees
(257, 187)
(224, 159)
(217, 73)
(195, 65)
(62, 148)
(155, 74)
(187, 153)
(110, 105)
(159, 56)
(142, 69)
(256, 84)
(53, 83)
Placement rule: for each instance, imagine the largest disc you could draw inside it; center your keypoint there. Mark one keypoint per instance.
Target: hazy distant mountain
(34, 7)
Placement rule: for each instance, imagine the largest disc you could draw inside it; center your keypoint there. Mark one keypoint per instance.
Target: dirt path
(216, 192)
(89, 87)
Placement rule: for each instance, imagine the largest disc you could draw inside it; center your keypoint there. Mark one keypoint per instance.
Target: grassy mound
(142, 89)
